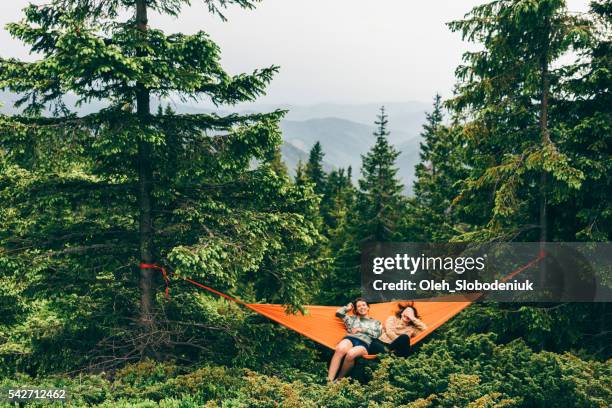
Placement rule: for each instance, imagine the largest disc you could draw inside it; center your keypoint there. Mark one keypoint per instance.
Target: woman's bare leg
(349, 360)
(341, 349)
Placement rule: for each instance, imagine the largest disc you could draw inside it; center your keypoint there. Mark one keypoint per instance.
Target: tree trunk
(545, 135)
(545, 139)
(145, 176)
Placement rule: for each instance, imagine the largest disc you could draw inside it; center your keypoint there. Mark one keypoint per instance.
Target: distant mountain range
(403, 116)
(344, 130)
(343, 143)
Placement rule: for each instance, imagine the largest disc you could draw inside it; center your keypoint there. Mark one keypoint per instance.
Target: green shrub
(473, 371)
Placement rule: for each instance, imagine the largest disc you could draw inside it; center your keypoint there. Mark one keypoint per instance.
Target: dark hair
(404, 306)
(359, 299)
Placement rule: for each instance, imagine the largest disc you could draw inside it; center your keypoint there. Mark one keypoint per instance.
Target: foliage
(374, 212)
(466, 371)
(379, 201)
(443, 163)
(314, 168)
(510, 92)
(84, 199)
(337, 204)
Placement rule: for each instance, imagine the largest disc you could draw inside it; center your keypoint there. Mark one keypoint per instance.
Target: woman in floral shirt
(361, 330)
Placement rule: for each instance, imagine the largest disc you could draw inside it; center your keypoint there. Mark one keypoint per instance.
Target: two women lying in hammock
(365, 335)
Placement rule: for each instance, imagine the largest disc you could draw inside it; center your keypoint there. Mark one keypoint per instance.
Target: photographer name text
(453, 286)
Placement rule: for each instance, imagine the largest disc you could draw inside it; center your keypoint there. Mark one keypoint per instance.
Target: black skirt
(400, 346)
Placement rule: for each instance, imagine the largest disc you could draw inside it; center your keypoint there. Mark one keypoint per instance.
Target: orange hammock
(320, 323)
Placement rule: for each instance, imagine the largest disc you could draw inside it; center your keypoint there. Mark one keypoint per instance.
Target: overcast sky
(346, 51)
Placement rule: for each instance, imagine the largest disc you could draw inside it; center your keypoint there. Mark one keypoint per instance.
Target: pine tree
(440, 168)
(585, 214)
(278, 165)
(434, 150)
(300, 174)
(86, 199)
(376, 215)
(536, 133)
(379, 203)
(314, 168)
(339, 196)
(431, 130)
(507, 88)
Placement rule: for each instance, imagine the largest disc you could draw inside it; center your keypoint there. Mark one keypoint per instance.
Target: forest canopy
(91, 204)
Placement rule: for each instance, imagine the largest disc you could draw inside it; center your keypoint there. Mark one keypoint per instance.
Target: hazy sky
(348, 51)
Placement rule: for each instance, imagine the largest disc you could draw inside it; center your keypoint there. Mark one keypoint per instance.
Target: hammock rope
(164, 274)
(321, 325)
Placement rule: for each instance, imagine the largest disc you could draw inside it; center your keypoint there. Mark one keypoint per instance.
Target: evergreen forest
(92, 205)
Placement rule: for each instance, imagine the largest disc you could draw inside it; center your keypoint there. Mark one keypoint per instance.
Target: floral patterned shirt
(371, 328)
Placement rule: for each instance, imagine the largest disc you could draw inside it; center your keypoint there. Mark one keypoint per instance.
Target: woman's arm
(341, 313)
(419, 325)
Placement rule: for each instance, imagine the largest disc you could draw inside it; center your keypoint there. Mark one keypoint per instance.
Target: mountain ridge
(345, 131)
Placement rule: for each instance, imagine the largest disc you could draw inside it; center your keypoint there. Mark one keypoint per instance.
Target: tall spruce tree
(380, 203)
(508, 88)
(339, 196)
(86, 199)
(585, 214)
(537, 139)
(300, 175)
(440, 168)
(430, 160)
(278, 165)
(376, 215)
(314, 168)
